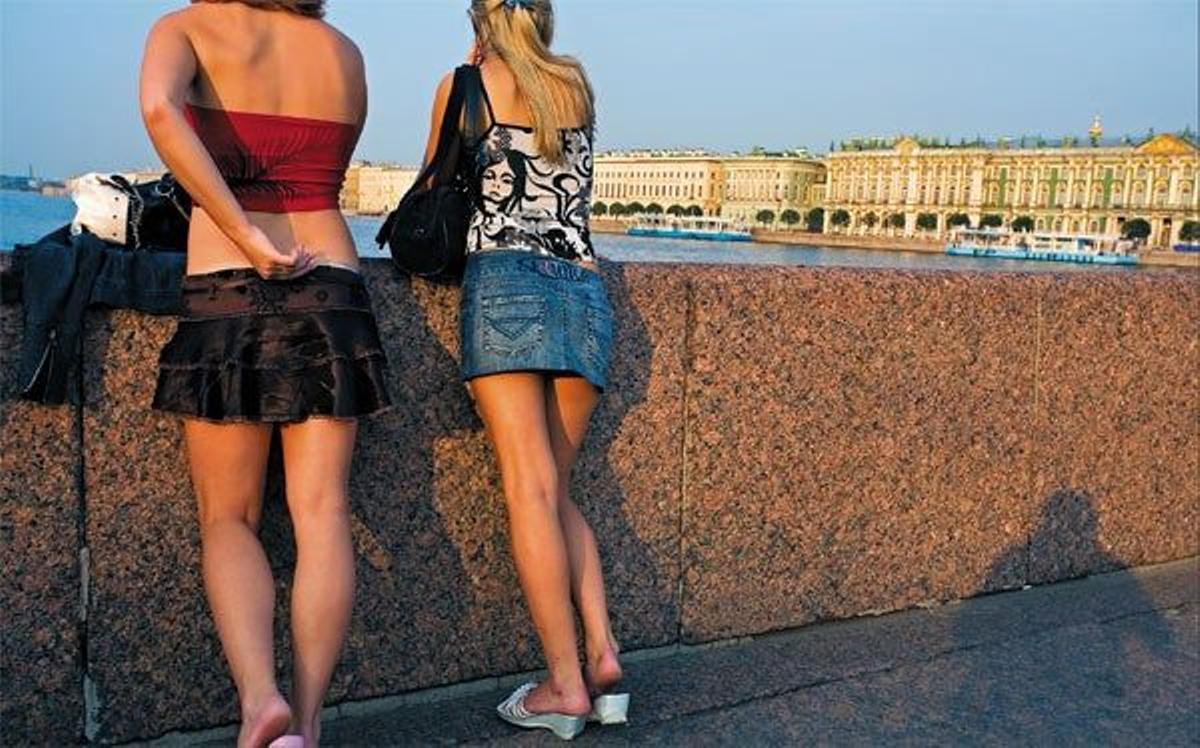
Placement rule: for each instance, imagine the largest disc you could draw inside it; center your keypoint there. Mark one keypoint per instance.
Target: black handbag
(427, 232)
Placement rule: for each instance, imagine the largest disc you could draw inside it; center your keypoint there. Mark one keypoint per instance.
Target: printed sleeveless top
(523, 201)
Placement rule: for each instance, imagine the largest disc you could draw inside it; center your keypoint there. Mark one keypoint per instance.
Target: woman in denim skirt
(536, 333)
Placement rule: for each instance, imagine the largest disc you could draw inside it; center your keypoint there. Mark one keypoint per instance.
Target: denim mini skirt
(526, 312)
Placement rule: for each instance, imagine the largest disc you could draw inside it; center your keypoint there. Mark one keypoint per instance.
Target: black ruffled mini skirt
(255, 350)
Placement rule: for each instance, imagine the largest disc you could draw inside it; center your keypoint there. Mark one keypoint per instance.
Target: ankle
(566, 696)
(254, 702)
(309, 727)
(565, 684)
(598, 650)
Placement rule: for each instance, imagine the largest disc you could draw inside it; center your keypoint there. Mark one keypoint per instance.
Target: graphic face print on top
(525, 202)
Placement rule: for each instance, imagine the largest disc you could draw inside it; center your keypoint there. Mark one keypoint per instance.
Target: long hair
(310, 8)
(555, 86)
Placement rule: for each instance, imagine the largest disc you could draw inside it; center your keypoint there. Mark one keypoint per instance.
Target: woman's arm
(168, 69)
(440, 100)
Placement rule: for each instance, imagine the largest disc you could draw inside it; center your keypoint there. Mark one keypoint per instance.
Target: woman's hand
(269, 262)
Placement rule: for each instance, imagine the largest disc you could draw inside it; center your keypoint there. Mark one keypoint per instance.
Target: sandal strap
(514, 705)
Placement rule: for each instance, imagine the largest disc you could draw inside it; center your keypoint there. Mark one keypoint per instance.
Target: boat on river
(689, 227)
(1007, 245)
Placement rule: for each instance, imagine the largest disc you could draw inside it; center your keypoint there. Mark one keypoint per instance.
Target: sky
(718, 74)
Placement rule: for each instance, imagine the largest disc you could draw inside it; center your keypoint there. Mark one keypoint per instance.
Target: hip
(241, 292)
(325, 233)
(498, 272)
(524, 312)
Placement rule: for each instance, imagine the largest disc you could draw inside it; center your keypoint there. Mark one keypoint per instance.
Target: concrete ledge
(781, 445)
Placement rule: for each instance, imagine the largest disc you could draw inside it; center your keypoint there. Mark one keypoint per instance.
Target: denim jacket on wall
(62, 275)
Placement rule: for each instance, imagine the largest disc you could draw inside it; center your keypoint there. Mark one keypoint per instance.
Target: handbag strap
(465, 95)
(462, 108)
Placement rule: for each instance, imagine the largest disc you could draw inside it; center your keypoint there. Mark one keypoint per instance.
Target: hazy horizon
(711, 74)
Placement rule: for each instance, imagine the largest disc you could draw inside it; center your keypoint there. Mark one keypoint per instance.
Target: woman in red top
(256, 106)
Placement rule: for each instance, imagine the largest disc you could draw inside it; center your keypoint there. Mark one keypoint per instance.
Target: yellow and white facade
(754, 184)
(1076, 189)
(683, 178)
(374, 189)
(734, 187)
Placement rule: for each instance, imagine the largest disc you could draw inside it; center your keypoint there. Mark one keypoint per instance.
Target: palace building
(738, 187)
(919, 190)
(773, 184)
(374, 189)
(667, 178)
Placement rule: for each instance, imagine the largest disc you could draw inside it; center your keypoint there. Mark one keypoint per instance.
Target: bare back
(278, 63)
(274, 62)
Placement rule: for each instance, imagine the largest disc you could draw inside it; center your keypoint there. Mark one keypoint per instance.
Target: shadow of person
(641, 593)
(496, 635)
(411, 583)
(438, 600)
(1092, 661)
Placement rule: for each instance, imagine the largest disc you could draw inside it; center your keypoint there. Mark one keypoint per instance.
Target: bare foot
(264, 722)
(547, 698)
(603, 671)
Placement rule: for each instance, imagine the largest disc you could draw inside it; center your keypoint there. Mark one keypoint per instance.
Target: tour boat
(689, 227)
(1007, 245)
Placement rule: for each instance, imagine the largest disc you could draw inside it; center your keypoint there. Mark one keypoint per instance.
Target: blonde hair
(555, 87)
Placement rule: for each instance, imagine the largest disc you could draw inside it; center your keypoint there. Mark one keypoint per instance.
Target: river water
(25, 216)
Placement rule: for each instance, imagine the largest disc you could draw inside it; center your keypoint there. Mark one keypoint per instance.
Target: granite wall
(780, 446)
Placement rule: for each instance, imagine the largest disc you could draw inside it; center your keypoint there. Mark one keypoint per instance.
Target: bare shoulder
(197, 16)
(196, 22)
(175, 22)
(344, 43)
(441, 96)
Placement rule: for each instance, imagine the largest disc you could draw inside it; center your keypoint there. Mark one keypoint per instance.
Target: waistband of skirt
(242, 292)
(508, 261)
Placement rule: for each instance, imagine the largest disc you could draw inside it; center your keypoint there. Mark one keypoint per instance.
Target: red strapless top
(276, 163)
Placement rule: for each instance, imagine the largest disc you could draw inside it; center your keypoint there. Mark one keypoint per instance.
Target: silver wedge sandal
(610, 709)
(512, 710)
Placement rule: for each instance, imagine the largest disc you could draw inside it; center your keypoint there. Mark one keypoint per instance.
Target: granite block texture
(778, 446)
(41, 649)
(1116, 456)
(153, 654)
(858, 441)
(438, 601)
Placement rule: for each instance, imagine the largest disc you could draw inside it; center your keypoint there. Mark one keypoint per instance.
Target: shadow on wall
(438, 599)
(412, 585)
(641, 594)
(1046, 686)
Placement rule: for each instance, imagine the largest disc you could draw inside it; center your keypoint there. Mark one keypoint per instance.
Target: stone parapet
(779, 446)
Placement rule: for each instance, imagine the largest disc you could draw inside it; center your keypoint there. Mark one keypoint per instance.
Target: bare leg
(513, 408)
(228, 465)
(570, 402)
(316, 456)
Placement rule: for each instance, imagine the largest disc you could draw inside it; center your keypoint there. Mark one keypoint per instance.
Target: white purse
(101, 208)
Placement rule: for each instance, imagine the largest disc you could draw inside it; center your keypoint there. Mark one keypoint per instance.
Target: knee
(320, 506)
(218, 509)
(533, 489)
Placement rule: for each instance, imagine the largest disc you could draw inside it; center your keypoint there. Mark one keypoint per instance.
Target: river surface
(26, 216)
